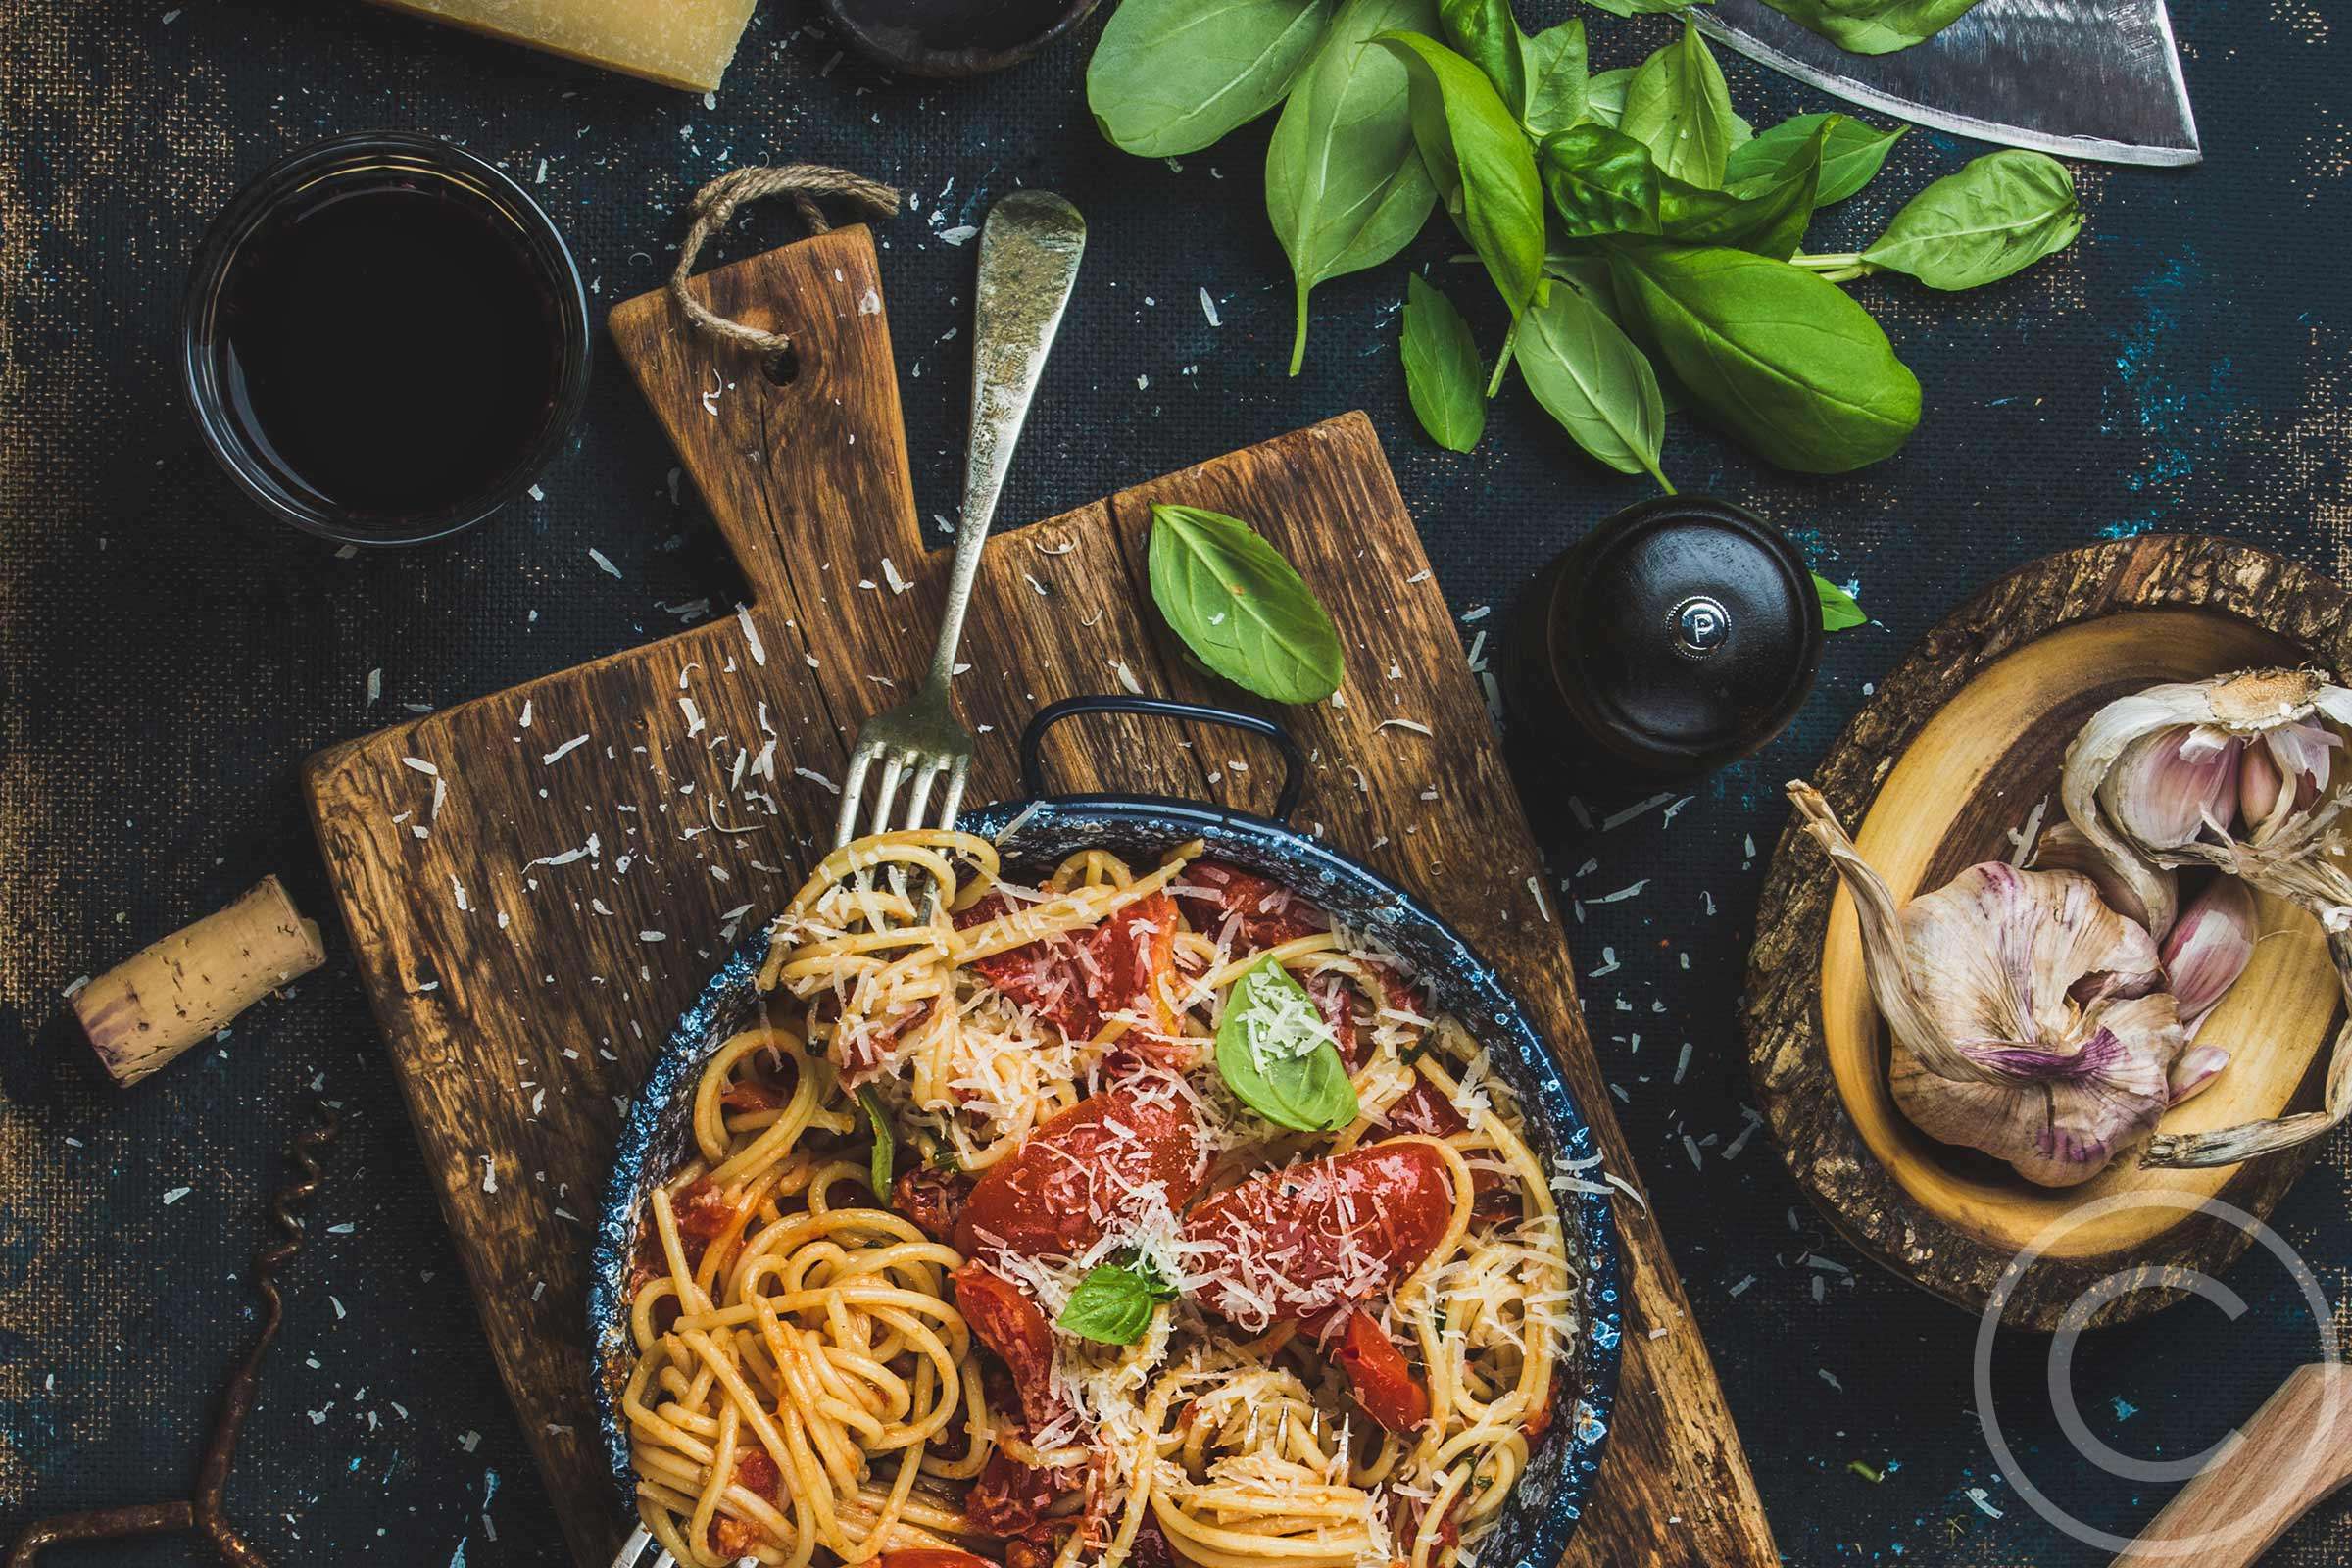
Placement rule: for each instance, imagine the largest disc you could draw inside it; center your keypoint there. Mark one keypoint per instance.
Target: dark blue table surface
(166, 662)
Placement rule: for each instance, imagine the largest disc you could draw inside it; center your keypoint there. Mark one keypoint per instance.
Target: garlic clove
(2063, 847)
(2170, 785)
(2209, 947)
(2260, 788)
(2195, 1071)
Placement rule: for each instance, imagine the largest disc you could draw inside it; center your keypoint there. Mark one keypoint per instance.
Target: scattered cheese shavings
(422, 766)
(175, 1195)
(1413, 725)
(751, 635)
(602, 560)
(1208, 308)
(567, 749)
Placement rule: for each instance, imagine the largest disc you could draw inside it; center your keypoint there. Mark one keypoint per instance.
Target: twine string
(715, 207)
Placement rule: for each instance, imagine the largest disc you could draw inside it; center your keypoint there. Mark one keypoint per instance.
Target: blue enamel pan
(1542, 1512)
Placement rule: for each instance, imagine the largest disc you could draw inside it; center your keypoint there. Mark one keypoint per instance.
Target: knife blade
(2082, 78)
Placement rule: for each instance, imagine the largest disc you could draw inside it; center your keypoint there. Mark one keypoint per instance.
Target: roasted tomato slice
(932, 1198)
(1378, 1373)
(1267, 913)
(931, 1557)
(1331, 996)
(1010, 1497)
(1056, 1193)
(1298, 1241)
(1133, 964)
(1013, 1326)
(1422, 1110)
(1043, 976)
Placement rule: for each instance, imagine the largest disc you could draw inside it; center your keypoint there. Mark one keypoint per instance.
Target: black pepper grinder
(1681, 634)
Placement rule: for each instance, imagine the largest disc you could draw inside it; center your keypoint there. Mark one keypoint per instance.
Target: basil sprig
(1171, 77)
(1642, 176)
(1243, 610)
(1873, 27)
(1346, 188)
(1276, 1057)
(1442, 373)
(1113, 1303)
(880, 1158)
(1838, 611)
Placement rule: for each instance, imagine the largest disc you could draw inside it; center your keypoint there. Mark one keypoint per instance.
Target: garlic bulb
(2146, 761)
(2029, 1018)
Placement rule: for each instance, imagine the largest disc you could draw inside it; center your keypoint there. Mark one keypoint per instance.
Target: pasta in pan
(1141, 1217)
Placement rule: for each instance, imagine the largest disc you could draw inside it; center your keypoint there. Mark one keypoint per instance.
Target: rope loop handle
(715, 207)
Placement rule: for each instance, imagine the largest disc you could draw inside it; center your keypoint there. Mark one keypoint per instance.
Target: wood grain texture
(1952, 753)
(808, 483)
(2292, 1453)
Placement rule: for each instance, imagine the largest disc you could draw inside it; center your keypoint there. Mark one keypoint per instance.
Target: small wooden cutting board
(537, 883)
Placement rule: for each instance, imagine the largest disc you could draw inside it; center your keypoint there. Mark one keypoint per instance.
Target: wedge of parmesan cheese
(679, 43)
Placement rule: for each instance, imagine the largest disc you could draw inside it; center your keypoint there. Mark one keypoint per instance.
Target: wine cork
(149, 1008)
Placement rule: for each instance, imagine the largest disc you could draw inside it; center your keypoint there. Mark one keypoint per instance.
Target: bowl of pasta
(1113, 1180)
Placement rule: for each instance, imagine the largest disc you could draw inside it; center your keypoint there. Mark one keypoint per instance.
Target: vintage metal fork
(1029, 250)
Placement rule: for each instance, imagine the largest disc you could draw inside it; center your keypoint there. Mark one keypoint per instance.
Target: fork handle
(1030, 245)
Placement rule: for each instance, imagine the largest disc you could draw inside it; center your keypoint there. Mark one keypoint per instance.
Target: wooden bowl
(1953, 752)
(954, 37)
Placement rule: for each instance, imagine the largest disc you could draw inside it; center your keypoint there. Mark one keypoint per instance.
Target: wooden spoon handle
(2295, 1450)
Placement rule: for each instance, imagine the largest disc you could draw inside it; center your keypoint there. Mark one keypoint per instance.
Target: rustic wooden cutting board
(531, 915)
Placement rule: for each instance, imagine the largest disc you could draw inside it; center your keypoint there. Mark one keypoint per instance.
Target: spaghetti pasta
(1109, 1306)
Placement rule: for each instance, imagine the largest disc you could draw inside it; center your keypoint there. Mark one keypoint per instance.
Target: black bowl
(1549, 1497)
(954, 37)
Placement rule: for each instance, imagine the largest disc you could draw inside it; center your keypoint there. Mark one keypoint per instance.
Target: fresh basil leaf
(1482, 164)
(2001, 213)
(1591, 377)
(1277, 1056)
(1786, 360)
(1850, 157)
(1837, 608)
(1171, 77)
(1644, 8)
(1442, 373)
(1604, 96)
(1770, 221)
(1487, 34)
(1873, 27)
(1235, 602)
(1556, 79)
(1679, 106)
(1600, 181)
(877, 1119)
(1346, 188)
(1113, 1303)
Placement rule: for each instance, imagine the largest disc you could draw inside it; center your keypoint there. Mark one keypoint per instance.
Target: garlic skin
(2063, 847)
(2284, 771)
(2029, 1018)
(2209, 947)
(2291, 798)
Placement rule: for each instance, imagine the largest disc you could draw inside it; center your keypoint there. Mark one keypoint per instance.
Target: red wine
(391, 348)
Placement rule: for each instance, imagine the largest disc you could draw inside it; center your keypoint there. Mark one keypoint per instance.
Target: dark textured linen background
(165, 661)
